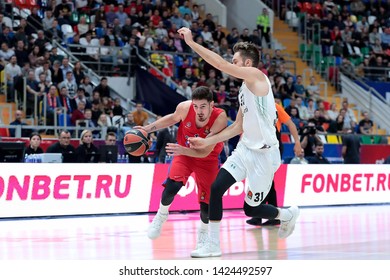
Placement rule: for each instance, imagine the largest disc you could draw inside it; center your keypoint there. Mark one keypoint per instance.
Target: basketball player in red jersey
(198, 118)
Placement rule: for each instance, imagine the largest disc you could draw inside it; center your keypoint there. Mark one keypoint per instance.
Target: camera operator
(309, 139)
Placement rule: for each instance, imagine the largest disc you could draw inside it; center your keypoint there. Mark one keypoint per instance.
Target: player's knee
(171, 189)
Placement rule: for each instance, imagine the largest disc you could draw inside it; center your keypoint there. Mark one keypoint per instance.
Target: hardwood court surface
(323, 233)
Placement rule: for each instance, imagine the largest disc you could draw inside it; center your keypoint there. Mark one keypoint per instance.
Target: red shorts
(205, 173)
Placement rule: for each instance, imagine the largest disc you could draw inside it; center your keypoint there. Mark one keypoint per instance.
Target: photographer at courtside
(309, 139)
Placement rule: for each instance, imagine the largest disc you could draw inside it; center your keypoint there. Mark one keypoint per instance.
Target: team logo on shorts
(249, 194)
(202, 196)
(188, 124)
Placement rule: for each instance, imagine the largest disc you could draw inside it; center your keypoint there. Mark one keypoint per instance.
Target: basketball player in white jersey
(256, 157)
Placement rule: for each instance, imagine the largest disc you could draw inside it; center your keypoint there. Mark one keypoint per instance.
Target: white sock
(284, 214)
(203, 227)
(163, 210)
(214, 230)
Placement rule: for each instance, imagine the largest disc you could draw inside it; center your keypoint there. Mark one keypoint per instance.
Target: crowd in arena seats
(354, 34)
(123, 28)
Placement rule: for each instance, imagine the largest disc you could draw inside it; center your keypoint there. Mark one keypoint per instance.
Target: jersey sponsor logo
(188, 124)
(207, 130)
(249, 194)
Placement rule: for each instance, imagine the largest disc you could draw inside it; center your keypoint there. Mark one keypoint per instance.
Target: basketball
(136, 142)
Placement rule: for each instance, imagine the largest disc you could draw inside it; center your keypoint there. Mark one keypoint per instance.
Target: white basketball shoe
(287, 227)
(154, 230)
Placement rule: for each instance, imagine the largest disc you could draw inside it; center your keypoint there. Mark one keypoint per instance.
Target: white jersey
(259, 119)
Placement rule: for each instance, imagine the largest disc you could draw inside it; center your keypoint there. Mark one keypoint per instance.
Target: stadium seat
(4, 132)
(333, 139)
(285, 138)
(286, 102)
(366, 139)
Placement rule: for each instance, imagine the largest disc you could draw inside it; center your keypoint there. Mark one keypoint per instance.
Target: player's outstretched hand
(174, 149)
(186, 34)
(197, 143)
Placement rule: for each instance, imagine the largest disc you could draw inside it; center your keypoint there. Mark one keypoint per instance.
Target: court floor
(323, 233)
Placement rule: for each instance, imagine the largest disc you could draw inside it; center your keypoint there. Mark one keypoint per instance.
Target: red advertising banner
(370, 154)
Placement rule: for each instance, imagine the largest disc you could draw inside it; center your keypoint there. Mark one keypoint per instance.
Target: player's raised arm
(216, 60)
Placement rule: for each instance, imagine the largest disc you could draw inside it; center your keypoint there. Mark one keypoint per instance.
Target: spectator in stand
(245, 35)
(117, 109)
(323, 113)
(35, 143)
(366, 126)
(34, 91)
(19, 121)
(54, 32)
(318, 120)
(78, 113)
(48, 19)
(263, 24)
(57, 74)
(63, 145)
(86, 147)
(255, 38)
(6, 53)
(288, 90)
(302, 109)
(333, 112)
(313, 89)
(349, 117)
(21, 53)
(195, 12)
(34, 21)
(96, 110)
(141, 117)
(103, 88)
(299, 88)
(44, 69)
(65, 67)
(121, 15)
(66, 103)
(326, 40)
(184, 89)
(53, 105)
(12, 70)
(207, 35)
(294, 115)
(290, 106)
(233, 37)
(81, 97)
(35, 58)
(337, 126)
(318, 157)
(70, 84)
(278, 57)
(218, 34)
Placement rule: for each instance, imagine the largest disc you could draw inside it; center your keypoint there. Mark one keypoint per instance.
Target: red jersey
(187, 128)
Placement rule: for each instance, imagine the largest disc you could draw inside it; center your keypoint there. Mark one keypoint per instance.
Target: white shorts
(257, 167)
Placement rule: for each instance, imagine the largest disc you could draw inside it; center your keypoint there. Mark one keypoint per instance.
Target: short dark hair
(110, 134)
(35, 134)
(248, 51)
(201, 93)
